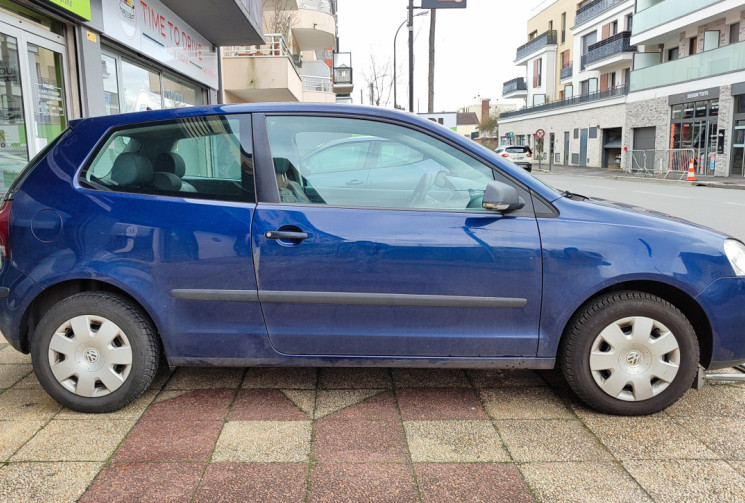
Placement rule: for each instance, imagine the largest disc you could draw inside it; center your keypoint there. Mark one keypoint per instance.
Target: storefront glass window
(110, 84)
(13, 146)
(677, 112)
(49, 94)
(141, 89)
(701, 108)
(179, 94)
(688, 110)
(714, 107)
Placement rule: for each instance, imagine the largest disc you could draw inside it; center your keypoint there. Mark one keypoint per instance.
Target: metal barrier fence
(669, 162)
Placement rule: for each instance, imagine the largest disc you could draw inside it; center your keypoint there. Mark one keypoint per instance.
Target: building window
(711, 40)
(692, 46)
(672, 54)
(568, 91)
(563, 27)
(734, 33)
(551, 25)
(629, 19)
(537, 70)
(533, 35)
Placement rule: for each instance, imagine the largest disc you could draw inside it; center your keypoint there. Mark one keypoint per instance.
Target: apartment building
(298, 61)
(688, 83)
(578, 62)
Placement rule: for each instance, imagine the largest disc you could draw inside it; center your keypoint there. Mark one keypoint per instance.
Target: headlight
(735, 252)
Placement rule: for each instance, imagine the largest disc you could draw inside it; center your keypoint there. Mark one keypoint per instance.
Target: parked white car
(518, 154)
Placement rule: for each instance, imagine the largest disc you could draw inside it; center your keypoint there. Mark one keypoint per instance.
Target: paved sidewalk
(722, 182)
(364, 435)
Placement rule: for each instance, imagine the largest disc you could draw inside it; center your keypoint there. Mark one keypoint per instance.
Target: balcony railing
(577, 100)
(316, 84)
(617, 44)
(514, 85)
(567, 71)
(727, 59)
(326, 6)
(539, 42)
(276, 46)
(666, 11)
(591, 10)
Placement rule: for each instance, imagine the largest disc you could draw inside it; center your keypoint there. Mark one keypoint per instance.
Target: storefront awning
(222, 22)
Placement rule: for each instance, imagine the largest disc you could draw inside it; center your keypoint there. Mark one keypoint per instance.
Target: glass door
(33, 96)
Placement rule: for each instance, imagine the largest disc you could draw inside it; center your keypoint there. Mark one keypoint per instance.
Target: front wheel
(95, 352)
(629, 353)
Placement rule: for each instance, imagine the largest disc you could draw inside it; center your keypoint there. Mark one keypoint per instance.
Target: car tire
(629, 353)
(95, 352)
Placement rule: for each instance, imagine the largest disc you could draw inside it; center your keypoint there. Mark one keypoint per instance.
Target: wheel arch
(55, 293)
(675, 296)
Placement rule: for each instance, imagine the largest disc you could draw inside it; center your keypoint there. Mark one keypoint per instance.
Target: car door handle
(286, 235)
(355, 182)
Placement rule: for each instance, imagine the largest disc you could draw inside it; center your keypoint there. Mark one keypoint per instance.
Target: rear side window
(516, 150)
(201, 157)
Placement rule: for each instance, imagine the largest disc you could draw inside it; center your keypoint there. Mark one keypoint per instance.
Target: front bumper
(724, 303)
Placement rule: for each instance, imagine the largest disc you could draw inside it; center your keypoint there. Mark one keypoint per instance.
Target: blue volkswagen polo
(322, 235)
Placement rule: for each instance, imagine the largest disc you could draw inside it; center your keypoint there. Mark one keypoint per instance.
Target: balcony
(261, 72)
(666, 11)
(538, 43)
(610, 52)
(730, 58)
(315, 26)
(515, 88)
(222, 22)
(613, 92)
(591, 10)
(567, 71)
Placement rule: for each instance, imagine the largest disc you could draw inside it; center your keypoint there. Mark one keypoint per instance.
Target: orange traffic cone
(691, 172)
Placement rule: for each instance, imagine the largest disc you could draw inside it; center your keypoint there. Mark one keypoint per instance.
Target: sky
(474, 50)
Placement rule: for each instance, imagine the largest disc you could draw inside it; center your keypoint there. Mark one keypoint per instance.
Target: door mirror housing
(501, 197)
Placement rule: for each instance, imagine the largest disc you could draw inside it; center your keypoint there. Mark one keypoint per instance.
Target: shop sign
(153, 30)
(49, 101)
(81, 8)
(699, 95)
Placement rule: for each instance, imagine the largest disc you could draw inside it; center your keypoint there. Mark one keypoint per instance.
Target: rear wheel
(95, 352)
(629, 353)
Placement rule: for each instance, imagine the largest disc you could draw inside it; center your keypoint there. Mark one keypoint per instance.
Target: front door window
(12, 125)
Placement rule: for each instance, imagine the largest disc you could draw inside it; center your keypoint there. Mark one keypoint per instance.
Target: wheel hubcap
(90, 356)
(634, 358)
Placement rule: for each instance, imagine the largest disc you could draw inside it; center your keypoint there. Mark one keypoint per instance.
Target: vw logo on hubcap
(633, 359)
(90, 355)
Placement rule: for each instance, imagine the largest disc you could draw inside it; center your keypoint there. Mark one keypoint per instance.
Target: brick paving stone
(282, 378)
(649, 437)
(454, 442)
(711, 401)
(151, 441)
(354, 378)
(431, 378)
(505, 378)
(439, 403)
(27, 404)
(199, 405)
(583, 482)
(264, 405)
(254, 482)
(550, 440)
(8, 354)
(13, 434)
(188, 378)
(45, 482)
(688, 480)
(75, 440)
(132, 412)
(356, 483)
(161, 482)
(304, 399)
(524, 403)
(331, 401)
(12, 373)
(724, 436)
(449, 482)
(381, 407)
(359, 441)
(264, 442)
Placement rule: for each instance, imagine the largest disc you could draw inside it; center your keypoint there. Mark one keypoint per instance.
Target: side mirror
(501, 197)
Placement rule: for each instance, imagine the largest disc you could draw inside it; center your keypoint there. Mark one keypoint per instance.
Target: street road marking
(662, 195)
(735, 204)
(599, 187)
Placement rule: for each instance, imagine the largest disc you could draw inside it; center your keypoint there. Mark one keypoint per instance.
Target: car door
(402, 271)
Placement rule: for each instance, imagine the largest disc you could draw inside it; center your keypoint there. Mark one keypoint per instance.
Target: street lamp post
(423, 13)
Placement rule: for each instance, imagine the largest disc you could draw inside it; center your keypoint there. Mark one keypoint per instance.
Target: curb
(698, 183)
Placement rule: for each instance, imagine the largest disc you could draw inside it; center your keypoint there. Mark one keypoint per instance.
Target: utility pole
(431, 79)
(411, 55)
(372, 94)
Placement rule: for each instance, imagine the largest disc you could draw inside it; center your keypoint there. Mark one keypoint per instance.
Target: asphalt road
(720, 209)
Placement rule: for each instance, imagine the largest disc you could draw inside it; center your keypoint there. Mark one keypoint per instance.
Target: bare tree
(281, 17)
(378, 78)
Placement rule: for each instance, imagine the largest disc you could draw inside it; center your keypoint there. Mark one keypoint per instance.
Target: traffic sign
(540, 133)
